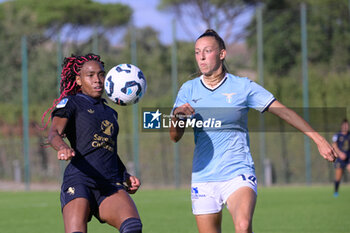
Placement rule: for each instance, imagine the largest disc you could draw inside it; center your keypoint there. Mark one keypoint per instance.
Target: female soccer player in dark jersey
(223, 170)
(95, 181)
(341, 143)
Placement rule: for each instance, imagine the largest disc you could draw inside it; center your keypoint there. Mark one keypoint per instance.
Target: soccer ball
(125, 84)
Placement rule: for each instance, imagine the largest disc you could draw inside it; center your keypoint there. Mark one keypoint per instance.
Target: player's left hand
(133, 184)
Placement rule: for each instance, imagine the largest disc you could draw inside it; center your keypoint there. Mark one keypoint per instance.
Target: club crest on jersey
(229, 97)
(107, 127)
(91, 111)
(62, 103)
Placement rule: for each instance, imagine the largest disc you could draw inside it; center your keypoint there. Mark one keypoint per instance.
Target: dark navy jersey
(343, 142)
(92, 131)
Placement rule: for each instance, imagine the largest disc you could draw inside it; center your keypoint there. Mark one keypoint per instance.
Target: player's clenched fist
(183, 111)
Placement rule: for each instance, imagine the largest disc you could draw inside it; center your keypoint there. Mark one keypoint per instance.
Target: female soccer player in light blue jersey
(223, 170)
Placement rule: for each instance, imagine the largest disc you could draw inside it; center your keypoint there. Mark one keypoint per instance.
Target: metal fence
(279, 156)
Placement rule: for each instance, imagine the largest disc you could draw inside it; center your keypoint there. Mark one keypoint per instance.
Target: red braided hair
(70, 69)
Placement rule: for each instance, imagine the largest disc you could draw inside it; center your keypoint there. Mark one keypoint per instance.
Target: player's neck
(214, 79)
(344, 132)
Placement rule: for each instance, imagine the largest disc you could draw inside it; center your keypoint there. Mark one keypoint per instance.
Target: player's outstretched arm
(64, 152)
(292, 118)
(177, 132)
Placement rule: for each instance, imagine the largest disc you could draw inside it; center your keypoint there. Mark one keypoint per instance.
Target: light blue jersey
(222, 145)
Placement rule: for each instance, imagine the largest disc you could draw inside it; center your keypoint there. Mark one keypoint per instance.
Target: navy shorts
(339, 163)
(95, 193)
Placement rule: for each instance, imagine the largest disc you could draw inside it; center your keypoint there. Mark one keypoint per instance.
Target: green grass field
(279, 209)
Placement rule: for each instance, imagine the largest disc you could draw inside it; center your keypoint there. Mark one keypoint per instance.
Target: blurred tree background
(83, 26)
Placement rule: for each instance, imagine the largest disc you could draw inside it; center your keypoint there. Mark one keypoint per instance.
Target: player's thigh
(241, 205)
(76, 214)
(338, 173)
(209, 223)
(118, 207)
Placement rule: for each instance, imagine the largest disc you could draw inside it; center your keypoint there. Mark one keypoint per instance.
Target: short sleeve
(258, 97)
(335, 138)
(64, 109)
(182, 95)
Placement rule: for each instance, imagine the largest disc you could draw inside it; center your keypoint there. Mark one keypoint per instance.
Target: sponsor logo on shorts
(71, 191)
(195, 193)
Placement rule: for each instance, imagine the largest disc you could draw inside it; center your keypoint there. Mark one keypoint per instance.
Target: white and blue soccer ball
(125, 84)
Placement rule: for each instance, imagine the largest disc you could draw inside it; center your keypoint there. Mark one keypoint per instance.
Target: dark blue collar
(92, 100)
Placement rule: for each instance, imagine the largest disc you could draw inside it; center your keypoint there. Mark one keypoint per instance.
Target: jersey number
(250, 178)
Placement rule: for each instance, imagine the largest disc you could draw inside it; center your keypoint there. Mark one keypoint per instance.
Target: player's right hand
(133, 184)
(65, 154)
(342, 155)
(184, 111)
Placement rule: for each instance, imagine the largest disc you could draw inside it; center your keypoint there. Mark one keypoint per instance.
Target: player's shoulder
(189, 85)
(109, 108)
(74, 101)
(192, 82)
(68, 100)
(336, 136)
(238, 81)
(65, 108)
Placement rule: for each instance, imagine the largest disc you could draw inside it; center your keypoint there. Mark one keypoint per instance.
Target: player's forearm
(341, 154)
(295, 120)
(56, 141)
(336, 148)
(176, 132)
(179, 114)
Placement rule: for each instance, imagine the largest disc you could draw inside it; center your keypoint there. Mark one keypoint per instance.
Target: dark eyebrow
(91, 71)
